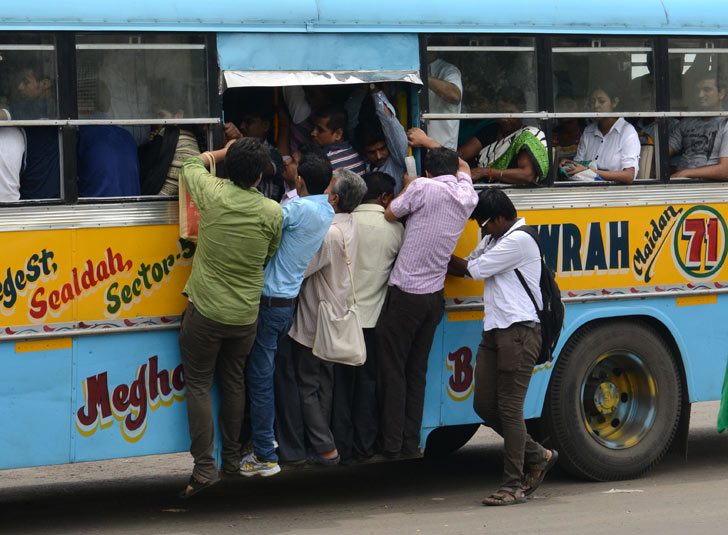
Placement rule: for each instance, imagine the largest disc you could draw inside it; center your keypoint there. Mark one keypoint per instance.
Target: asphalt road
(416, 496)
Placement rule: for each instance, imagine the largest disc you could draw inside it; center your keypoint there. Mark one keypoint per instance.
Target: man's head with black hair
(440, 161)
(380, 188)
(328, 125)
(35, 82)
(370, 139)
(245, 161)
(709, 91)
(256, 118)
(314, 173)
(494, 212)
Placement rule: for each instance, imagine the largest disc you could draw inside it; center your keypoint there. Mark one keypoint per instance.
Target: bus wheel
(445, 440)
(614, 401)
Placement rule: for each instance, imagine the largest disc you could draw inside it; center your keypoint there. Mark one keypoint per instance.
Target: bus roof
(670, 17)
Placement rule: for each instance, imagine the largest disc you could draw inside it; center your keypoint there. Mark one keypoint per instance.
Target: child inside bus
(611, 144)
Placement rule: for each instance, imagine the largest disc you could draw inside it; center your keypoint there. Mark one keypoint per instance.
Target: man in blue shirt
(306, 221)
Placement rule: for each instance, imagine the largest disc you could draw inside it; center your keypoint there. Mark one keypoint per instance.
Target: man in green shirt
(239, 231)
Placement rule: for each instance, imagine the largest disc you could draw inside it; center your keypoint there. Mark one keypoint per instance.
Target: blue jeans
(273, 324)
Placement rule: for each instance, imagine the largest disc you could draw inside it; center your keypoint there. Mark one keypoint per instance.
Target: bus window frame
(67, 121)
(545, 88)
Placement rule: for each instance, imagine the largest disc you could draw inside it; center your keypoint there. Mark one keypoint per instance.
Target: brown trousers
(206, 345)
(503, 369)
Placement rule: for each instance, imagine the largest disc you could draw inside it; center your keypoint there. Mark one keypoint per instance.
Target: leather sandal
(505, 497)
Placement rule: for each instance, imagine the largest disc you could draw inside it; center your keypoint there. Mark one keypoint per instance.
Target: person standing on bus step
(355, 418)
(327, 278)
(380, 138)
(239, 232)
(511, 340)
(702, 142)
(41, 173)
(306, 220)
(328, 134)
(437, 207)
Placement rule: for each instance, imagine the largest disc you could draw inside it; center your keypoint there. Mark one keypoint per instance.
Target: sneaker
(251, 465)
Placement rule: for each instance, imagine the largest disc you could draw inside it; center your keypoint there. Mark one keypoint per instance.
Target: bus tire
(614, 401)
(445, 440)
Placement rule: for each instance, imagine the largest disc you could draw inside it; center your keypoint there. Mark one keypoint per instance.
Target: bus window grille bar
(556, 115)
(590, 50)
(140, 46)
(104, 122)
(477, 48)
(33, 48)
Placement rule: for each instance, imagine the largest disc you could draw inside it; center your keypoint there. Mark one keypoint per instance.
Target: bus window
(604, 88)
(699, 140)
(139, 93)
(479, 89)
(28, 95)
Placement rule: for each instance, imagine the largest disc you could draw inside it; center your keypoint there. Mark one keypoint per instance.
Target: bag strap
(348, 264)
(530, 232)
(211, 159)
(525, 287)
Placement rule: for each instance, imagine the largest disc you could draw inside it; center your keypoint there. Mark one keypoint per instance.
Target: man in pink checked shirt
(437, 207)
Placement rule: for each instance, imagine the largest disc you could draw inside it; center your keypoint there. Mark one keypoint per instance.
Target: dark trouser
(205, 345)
(404, 334)
(503, 369)
(316, 387)
(355, 418)
(289, 417)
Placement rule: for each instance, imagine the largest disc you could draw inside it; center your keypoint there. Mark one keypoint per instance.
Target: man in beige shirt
(355, 416)
(327, 278)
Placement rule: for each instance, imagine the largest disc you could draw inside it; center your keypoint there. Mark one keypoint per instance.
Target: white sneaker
(251, 465)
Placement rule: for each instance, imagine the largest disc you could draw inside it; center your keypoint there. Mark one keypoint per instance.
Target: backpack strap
(531, 232)
(528, 290)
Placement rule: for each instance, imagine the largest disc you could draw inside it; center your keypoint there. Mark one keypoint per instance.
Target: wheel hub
(606, 398)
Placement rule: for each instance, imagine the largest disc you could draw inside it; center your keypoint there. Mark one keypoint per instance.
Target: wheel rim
(618, 400)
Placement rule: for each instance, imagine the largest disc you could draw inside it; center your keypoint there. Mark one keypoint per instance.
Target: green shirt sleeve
(200, 184)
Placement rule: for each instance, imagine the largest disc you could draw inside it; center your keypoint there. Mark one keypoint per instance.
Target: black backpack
(552, 314)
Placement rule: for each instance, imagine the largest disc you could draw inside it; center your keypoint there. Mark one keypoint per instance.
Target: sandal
(530, 483)
(505, 497)
(195, 487)
(315, 458)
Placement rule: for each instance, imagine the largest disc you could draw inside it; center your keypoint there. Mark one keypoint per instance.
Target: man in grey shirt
(701, 142)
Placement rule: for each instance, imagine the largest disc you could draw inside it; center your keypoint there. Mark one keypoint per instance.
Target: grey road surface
(409, 497)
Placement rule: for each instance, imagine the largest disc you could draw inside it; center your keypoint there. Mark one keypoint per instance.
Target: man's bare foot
(333, 454)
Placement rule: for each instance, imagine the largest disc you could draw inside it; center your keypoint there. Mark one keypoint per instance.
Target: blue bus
(91, 277)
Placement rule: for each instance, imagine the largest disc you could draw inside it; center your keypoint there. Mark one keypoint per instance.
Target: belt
(530, 324)
(276, 301)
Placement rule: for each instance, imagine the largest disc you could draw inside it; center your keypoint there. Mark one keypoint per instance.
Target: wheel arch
(581, 316)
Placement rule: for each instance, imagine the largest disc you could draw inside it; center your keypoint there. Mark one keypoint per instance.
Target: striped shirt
(438, 209)
(342, 155)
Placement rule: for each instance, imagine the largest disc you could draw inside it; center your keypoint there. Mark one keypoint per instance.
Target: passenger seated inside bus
(568, 130)
(329, 124)
(169, 145)
(107, 164)
(40, 178)
(254, 118)
(701, 142)
(378, 134)
(505, 151)
(609, 148)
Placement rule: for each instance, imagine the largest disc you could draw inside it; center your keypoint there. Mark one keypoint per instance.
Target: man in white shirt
(445, 93)
(12, 151)
(511, 340)
(355, 417)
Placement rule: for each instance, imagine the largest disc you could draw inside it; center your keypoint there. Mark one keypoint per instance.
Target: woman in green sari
(508, 151)
(503, 151)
